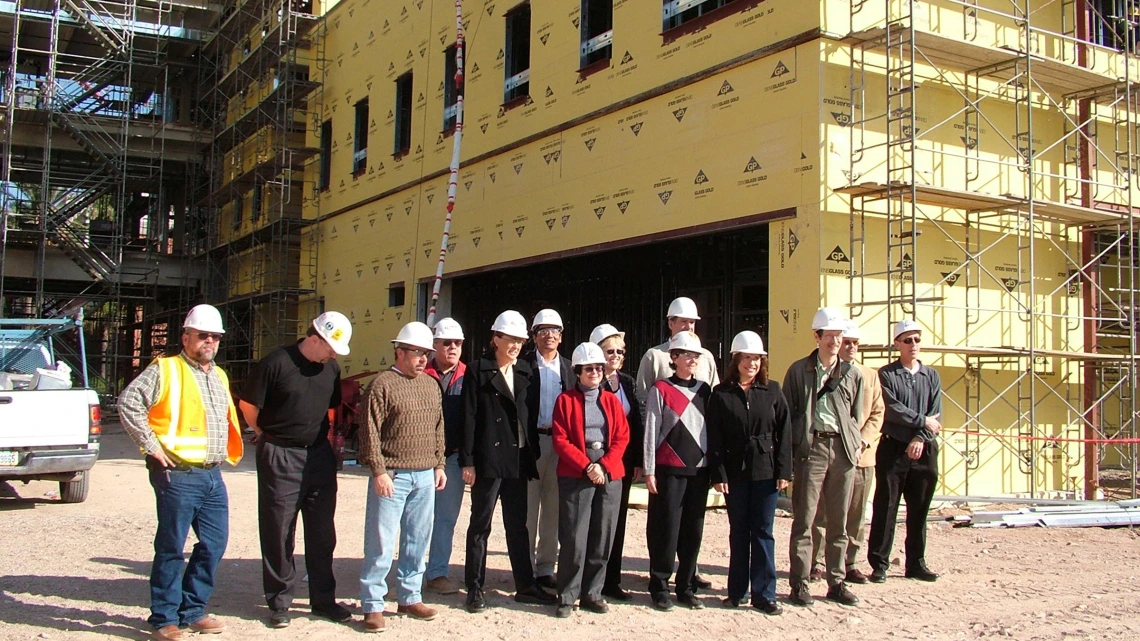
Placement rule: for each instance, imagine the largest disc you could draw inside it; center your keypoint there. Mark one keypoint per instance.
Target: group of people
(560, 443)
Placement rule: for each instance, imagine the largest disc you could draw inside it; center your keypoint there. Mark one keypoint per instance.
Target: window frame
(324, 177)
(516, 80)
(237, 203)
(450, 91)
(256, 203)
(595, 48)
(360, 137)
(402, 134)
(399, 290)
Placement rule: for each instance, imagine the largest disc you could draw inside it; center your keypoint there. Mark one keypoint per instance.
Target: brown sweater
(403, 424)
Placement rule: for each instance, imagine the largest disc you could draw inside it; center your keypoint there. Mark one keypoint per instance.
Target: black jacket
(534, 393)
(492, 419)
(635, 452)
(909, 400)
(749, 435)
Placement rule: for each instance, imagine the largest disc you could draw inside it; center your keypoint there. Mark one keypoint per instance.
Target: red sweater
(569, 434)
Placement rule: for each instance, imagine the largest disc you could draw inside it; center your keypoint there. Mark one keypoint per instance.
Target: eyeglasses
(912, 340)
(207, 336)
(548, 331)
(593, 369)
(418, 353)
(847, 342)
(611, 352)
(451, 343)
(689, 355)
(514, 340)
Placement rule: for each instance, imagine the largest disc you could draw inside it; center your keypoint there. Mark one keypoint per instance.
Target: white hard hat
(448, 329)
(748, 342)
(335, 329)
(852, 331)
(415, 334)
(204, 318)
(587, 354)
(687, 341)
(682, 307)
(510, 323)
(604, 331)
(546, 317)
(827, 319)
(905, 326)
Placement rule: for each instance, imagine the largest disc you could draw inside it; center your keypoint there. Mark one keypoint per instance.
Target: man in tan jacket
(873, 410)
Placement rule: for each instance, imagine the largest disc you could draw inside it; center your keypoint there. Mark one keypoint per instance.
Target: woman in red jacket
(590, 434)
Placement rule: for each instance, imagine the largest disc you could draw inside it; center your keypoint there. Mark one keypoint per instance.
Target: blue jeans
(193, 498)
(751, 544)
(447, 504)
(411, 508)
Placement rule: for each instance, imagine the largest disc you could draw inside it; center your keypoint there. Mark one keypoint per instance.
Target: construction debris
(1114, 514)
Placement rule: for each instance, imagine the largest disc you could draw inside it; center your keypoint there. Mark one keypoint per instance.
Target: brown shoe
(374, 622)
(168, 633)
(856, 576)
(208, 624)
(442, 585)
(417, 611)
(816, 574)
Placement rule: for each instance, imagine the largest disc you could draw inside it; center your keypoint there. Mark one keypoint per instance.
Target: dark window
(255, 213)
(450, 90)
(597, 30)
(326, 155)
(245, 47)
(237, 211)
(403, 114)
(517, 82)
(396, 295)
(1112, 24)
(360, 140)
(678, 12)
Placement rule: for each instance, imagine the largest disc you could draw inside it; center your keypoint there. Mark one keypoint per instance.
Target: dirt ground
(80, 572)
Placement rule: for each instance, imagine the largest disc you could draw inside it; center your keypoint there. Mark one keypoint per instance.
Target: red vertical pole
(1089, 306)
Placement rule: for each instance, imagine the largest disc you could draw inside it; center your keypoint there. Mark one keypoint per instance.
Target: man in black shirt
(287, 401)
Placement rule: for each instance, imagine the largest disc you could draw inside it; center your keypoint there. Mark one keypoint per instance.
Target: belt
(546, 431)
(595, 445)
(817, 434)
(186, 467)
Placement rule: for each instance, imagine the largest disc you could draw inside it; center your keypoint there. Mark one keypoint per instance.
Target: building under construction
(970, 164)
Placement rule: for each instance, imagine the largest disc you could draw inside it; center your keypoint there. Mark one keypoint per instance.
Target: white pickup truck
(49, 429)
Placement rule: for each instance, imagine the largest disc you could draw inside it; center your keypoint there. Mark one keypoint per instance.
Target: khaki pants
(862, 483)
(542, 510)
(822, 483)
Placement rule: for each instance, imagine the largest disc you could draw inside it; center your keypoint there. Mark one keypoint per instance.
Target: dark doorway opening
(725, 273)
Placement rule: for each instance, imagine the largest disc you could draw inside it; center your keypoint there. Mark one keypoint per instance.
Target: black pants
(292, 480)
(613, 568)
(898, 476)
(676, 523)
(484, 494)
(587, 516)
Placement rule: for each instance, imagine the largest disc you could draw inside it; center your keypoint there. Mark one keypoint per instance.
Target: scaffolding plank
(1011, 352)
(976, 201)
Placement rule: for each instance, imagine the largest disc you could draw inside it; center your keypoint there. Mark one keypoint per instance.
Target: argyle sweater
(675, 436)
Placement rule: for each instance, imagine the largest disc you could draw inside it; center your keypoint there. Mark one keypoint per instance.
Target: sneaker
(617, 594)
(878, 576)
(442, 585)
(208, 624)
(816, 574)
(841, 595)
(597, 606)
(476, 602)
(662, 602)
(564, 611)
(417, 611)
(690, 601)
(546, 582)
(855, 576)
(771, 608)
(374, 622)
(333, 612)
(536, 596)
(921, 573)
(801, 595)
(279, 619)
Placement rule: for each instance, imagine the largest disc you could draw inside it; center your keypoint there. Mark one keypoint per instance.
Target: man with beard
(180, 413)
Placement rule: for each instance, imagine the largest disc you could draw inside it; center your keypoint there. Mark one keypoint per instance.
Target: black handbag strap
(832, 383)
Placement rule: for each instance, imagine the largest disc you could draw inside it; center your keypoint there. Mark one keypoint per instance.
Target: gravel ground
(80, 572)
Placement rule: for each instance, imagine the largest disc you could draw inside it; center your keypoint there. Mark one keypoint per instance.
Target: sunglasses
(591, 369)
(690, 355)
(611, 352)
(913, 340)
(848, 342)
(515, 340)
(207, 336)
(451, 343)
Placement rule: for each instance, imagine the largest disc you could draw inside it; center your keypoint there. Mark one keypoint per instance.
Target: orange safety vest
(178, 418)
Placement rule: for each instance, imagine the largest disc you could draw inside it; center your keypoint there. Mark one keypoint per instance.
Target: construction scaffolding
(993, 163)
(97, 140)
(260, 67)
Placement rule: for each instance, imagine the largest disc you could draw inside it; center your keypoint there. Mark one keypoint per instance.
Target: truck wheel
(74, 491)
